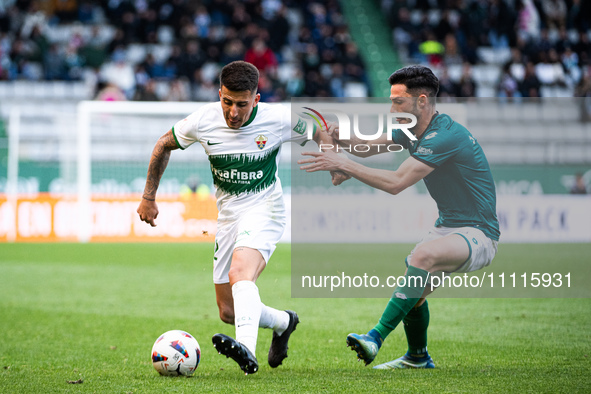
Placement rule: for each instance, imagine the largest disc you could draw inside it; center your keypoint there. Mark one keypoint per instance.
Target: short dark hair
(240, 76)
(417, 79)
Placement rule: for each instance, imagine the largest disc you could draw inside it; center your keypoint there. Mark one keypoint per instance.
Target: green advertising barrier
(125, 177)
(538, 179)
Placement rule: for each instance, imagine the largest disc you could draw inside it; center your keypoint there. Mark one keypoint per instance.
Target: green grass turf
(92, 312)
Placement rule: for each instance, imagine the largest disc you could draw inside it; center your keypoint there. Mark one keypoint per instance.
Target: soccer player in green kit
(457, 175)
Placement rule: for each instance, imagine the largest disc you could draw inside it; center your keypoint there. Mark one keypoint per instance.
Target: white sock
(273, 318)
(247, 313)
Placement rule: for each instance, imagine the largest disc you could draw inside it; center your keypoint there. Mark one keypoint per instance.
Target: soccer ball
(176, 353)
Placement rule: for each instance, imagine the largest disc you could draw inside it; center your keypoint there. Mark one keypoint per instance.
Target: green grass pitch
(72, 312)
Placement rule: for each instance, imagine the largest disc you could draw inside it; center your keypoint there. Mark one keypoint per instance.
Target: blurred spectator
(94, 50)
(180, 90)
(467, 86)
(240, 18)
(403, 30)
(583, 90)
(447, 88)
(543, 43)
(234, 50)
(152, 67)
(579, 187)
(555, 11)
(268, 94)
(549, 71)
(311, 58)
(473, 21)
(295, 85)
(110, 92)
(528, 19)
(141, 75)
(202, 21)
(200, 34)
(204, 89)
(40, 45)
(501, 19)
(432, 49)
(74, 63)
(583, 48)
(563, 41)
(471, 51)
(515, 66)
(118, 72)
(530, 86)
(508, 86)
(191, 59)
(354, 66)
(118, 42)
(278, 29)
(337, 80)
(570, 62)
(452, 51)
(584, 87)
(579, 15)
(315, 85)
(53, 63)
(146, 92)
(34, 18)
(261, 56)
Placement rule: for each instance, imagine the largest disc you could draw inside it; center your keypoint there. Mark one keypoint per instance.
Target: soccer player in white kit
(242, 138)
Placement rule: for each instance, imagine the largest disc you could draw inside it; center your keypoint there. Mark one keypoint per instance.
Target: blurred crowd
(301, 48)
(173, 49)
(547, 41)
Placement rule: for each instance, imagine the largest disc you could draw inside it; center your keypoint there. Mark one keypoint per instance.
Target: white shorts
(482, 248)
(259, 228)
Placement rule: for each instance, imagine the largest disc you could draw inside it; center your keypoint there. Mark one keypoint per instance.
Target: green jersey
(461, 183)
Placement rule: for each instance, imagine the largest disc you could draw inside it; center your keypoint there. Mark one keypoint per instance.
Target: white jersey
(244, 161)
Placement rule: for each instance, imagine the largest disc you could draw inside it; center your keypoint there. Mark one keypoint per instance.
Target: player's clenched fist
(148, 211)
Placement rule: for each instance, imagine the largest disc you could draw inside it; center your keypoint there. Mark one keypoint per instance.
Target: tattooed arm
(148, 210)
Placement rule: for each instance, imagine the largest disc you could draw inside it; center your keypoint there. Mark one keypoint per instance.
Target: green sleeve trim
(313, 135)
(176, 140)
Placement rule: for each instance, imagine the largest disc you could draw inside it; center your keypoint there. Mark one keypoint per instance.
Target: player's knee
(237, 273)
(423, 258)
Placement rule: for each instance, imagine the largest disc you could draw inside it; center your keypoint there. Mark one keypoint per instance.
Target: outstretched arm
(380, 145)
(326, 141)
(148, 209)
(410, 171)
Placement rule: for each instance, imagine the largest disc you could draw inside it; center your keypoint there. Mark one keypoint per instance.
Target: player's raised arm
(410, 171)
(376, 146)
(148, 209)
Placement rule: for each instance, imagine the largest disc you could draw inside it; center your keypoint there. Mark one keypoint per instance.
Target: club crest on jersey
(261, 141)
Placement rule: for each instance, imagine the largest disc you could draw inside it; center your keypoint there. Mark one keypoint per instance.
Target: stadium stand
(301, 48)
(505, 48)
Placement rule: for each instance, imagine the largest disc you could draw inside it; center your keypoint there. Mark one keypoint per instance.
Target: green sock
(404, 298)
(416, 323)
